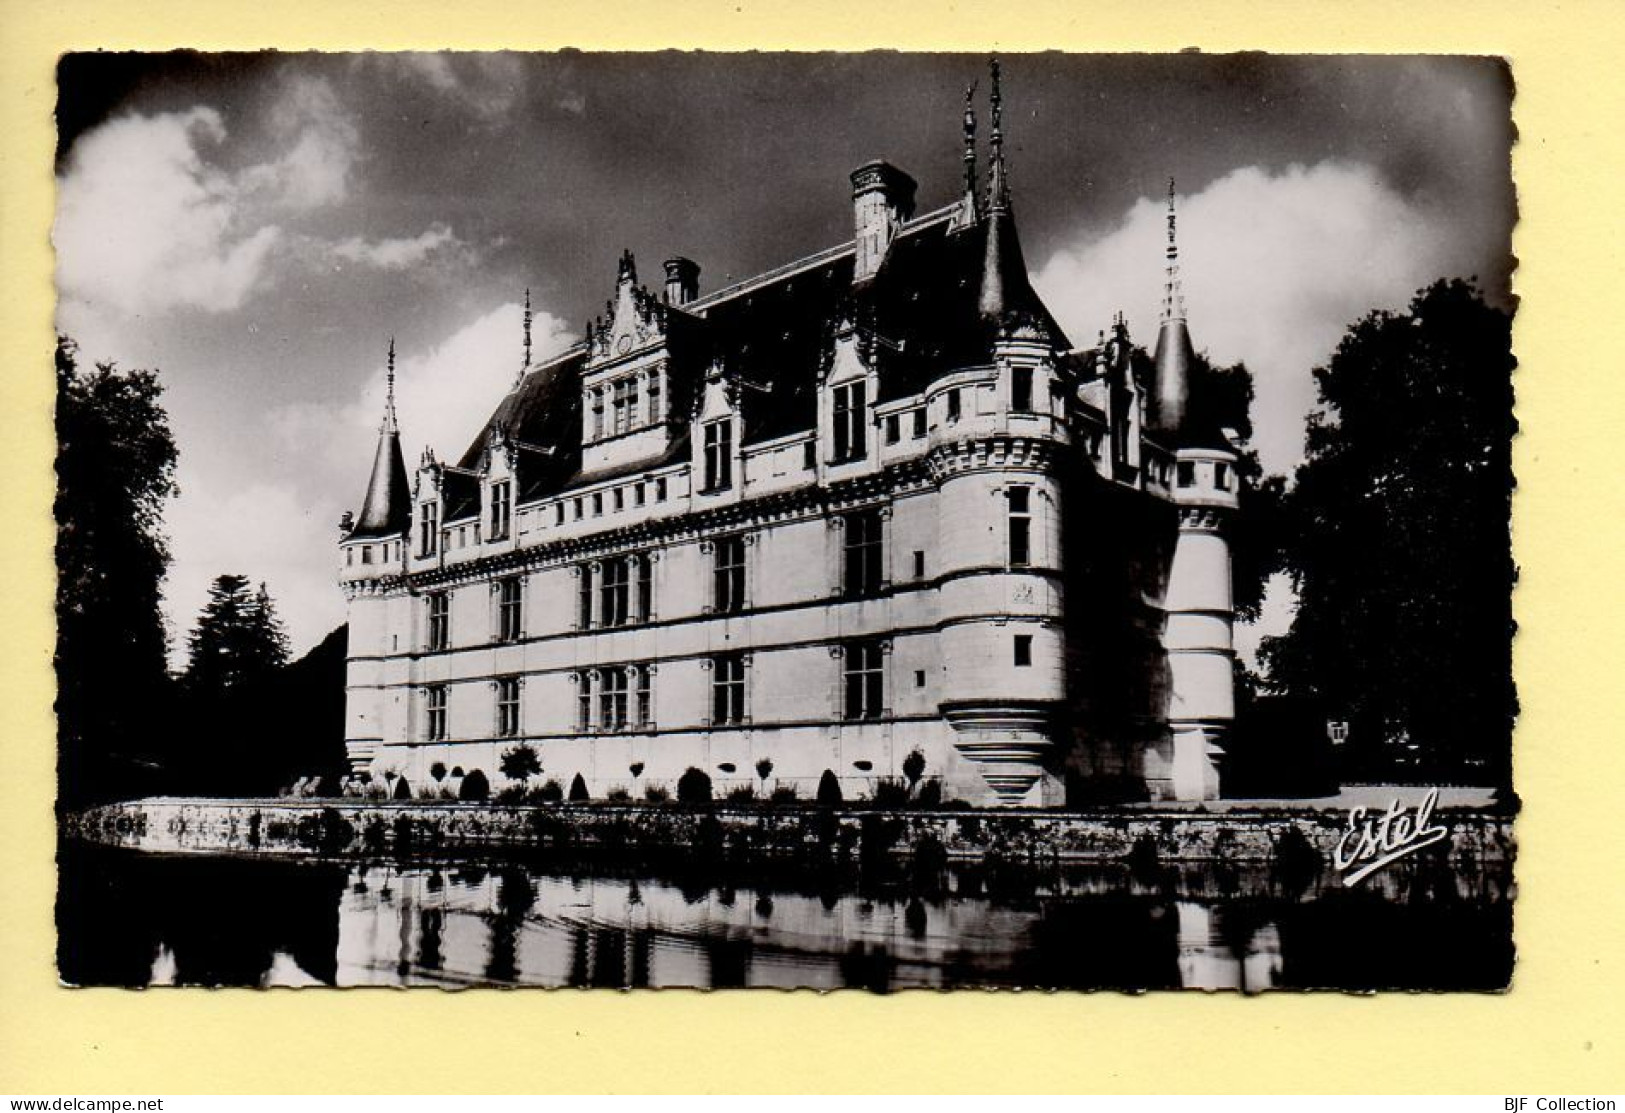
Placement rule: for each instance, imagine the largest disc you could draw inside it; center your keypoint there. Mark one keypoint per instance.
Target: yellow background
(1560, 1029)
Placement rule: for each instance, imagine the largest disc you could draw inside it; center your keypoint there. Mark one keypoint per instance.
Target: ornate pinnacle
(527, 326)
(390, 425)
(970, 144)
(998, 189)
(1173, 299)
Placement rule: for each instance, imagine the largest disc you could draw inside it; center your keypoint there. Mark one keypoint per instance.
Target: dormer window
(501, 509)
(428, 529)
(1021, 389)
(850, 422)
(623, 405)
(719, 438)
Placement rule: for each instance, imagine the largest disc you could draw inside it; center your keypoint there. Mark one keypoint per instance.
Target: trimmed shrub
(619, 795)
(578, 790)
(764, 768)
(521, 762)
(914, 767)
(930, 794)
(784, 794)
(475, 787)
(694, 787)
(551, 793)
(891, 793)
(656, 794)
(829, 790)
(438, 770)
(741, 794)
(511, 794)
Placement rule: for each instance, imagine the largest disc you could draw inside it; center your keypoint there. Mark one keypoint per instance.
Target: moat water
(136, 919)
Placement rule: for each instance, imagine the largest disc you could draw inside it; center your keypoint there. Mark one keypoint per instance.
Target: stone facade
(869, 504)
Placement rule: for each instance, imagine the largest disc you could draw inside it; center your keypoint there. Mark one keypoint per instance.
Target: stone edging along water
(354, 827)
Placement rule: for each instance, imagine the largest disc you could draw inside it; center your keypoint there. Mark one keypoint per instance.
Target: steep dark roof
(387, 509)
(926, 311)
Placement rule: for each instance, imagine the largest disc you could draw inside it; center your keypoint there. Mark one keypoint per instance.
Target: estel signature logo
(1372, 842)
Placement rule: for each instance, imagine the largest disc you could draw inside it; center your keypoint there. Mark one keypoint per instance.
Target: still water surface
(128, 918)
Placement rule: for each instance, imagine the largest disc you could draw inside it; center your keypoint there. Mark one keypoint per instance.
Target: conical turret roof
(387, 509)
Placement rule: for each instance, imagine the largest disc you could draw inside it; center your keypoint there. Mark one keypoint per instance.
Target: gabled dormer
(717, 432)
(499, 486)
(427, 501)
(627, 414)
(847, 392)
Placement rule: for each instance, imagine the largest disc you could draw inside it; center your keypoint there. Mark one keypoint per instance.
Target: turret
(1198, 608)
(882, 199)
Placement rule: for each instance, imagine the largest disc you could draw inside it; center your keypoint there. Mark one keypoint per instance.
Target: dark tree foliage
(115, 469)
(238, 637)
(1398, 541)
(519, 763)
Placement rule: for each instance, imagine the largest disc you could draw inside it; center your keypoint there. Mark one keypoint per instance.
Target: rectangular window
(809, 456)
(660, 489)
(1024, 651)
(620, 498)
(612, 699)
(597, 503)
(851, 420)
(584, 599)
(642, 676)
(584, 702)
(624, 405)
(919, 564)
(728, 588)
(865, 676)
(349, 556)
(1187, 474)
(654, 398)
(919, 678)
(639, 495)
(1221, 476)
(644, 587)
(863, 556)
(719, 452)
(919, 423)
(510, 609)
(579, 507)
(366, 554)
(435, 701)
(894, 428)
(558, 514)
(1021, 389)
(597, 414)
(1021, 525)
(501, 509)
(439, 620)
(727, 689)
(953, 404)
(614, 594)
(508, 707)
(428, 528)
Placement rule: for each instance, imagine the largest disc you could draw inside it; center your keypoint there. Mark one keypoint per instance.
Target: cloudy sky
(258, 226)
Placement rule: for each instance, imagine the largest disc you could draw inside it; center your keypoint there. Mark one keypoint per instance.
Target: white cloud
(144, 225)
(1274, 269)
(148, 222)
(487, 84)
(397, 254)
(267, 532)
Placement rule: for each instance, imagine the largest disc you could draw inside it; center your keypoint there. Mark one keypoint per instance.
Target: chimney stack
(682, 280)
(882, 199)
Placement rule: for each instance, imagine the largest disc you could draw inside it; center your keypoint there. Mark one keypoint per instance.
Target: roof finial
(1173, 299)
(527, 333)
(998, 190)
(389, 425)
(970, 152)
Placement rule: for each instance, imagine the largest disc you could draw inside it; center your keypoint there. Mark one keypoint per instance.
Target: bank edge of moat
(346, 827)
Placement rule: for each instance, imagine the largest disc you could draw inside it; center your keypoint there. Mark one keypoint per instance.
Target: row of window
(621, 697)
(619, 407)
(619, 591)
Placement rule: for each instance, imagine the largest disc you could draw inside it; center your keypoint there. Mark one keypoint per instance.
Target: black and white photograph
(868, 521)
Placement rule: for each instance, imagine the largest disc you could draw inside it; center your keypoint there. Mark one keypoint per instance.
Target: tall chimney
(882, 198)
(682, 280)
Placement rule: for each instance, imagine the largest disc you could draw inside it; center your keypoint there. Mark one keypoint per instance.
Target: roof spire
(970, 154)
(390, 425)
(527, 334)
(1173, 298)
(998, 190)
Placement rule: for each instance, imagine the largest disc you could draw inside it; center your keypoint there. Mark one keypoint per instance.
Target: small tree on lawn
(914, 769)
